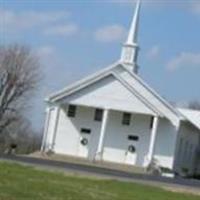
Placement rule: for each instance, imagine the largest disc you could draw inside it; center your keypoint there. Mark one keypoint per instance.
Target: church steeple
(130, 48)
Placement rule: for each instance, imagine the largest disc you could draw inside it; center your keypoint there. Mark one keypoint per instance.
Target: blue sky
(74, 38)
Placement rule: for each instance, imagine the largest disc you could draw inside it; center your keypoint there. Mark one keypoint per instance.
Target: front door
(84, 141)
(131, 152)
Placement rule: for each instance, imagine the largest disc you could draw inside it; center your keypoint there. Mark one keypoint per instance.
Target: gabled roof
(193, 116)
(81, 83)
(154, 93)
(111, 70)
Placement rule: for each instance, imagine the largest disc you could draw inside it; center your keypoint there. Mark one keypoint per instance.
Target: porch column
(102, 134)
(153, 138)
(57, 112)
(45, 130)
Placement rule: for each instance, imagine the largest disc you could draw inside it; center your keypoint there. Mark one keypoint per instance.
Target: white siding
(116, 140)
(188, 141)
(165, 143)
(109, 93)
(50, 128)
(68, 133)
(67, 140)
(148, 95)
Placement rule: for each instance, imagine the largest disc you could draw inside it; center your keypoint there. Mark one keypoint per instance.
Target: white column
(153, 138)
(176, 158)
(102, 133)
(46, 125)
(55, 126)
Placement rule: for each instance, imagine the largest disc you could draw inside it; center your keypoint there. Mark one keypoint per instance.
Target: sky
(75, 38)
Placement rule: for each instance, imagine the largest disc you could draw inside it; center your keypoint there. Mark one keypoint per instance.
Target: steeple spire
(130, 48)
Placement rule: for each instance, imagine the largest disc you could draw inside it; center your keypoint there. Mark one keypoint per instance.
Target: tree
(194, 105)
(21, 135)
(19, 75)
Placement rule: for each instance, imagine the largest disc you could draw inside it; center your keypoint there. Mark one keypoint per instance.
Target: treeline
(20, 138)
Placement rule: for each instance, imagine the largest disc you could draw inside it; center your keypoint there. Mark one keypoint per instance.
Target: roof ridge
(164, 101)
(138, 95)
(82, 81)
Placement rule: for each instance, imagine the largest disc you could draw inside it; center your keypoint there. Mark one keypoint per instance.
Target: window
(71, 111)
(86, 130)
(133, 137)
(98, 115)
(126, 119)
(151, 123)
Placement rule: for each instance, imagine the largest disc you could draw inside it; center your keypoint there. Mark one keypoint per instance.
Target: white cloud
(180, 4)
(144, 2)
(62, 30)
(49, 23)
(123, 2)
(11, 20)
(195, 7)
(110, 33)
(185, 59)
(154, 52)
(45, 51)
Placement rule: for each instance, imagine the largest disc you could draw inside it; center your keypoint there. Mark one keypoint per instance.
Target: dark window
(71, 111)
(86, 130)
(98, 115)
(126, 119)
(133, 137)
(151, 123)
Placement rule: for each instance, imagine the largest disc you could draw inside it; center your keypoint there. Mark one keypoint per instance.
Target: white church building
(114, 116)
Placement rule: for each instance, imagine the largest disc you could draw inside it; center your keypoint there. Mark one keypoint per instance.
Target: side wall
(187, 146)
(165, 144)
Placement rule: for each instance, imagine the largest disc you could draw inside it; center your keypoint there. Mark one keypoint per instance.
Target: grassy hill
(26, 183)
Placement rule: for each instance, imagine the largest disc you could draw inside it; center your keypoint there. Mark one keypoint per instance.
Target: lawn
(26, 183)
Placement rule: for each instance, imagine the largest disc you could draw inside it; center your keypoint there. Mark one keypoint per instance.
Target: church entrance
(131, 153)
(84, 142)
(88, 142)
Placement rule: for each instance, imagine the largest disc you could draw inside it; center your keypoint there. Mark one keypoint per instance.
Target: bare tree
(19, 75)
(194, 105)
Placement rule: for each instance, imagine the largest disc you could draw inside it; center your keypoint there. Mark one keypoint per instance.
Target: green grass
(26, 183)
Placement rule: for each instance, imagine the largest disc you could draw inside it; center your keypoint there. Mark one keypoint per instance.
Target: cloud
(45, 51)
(62, 30)
(185, 59)
(144, 2)
(110, 33)
(122, 2)
(153, 53)
(54, 23)
(195, 7)
(11, 20)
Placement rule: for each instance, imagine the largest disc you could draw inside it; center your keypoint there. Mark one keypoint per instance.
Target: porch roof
(193, 116)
